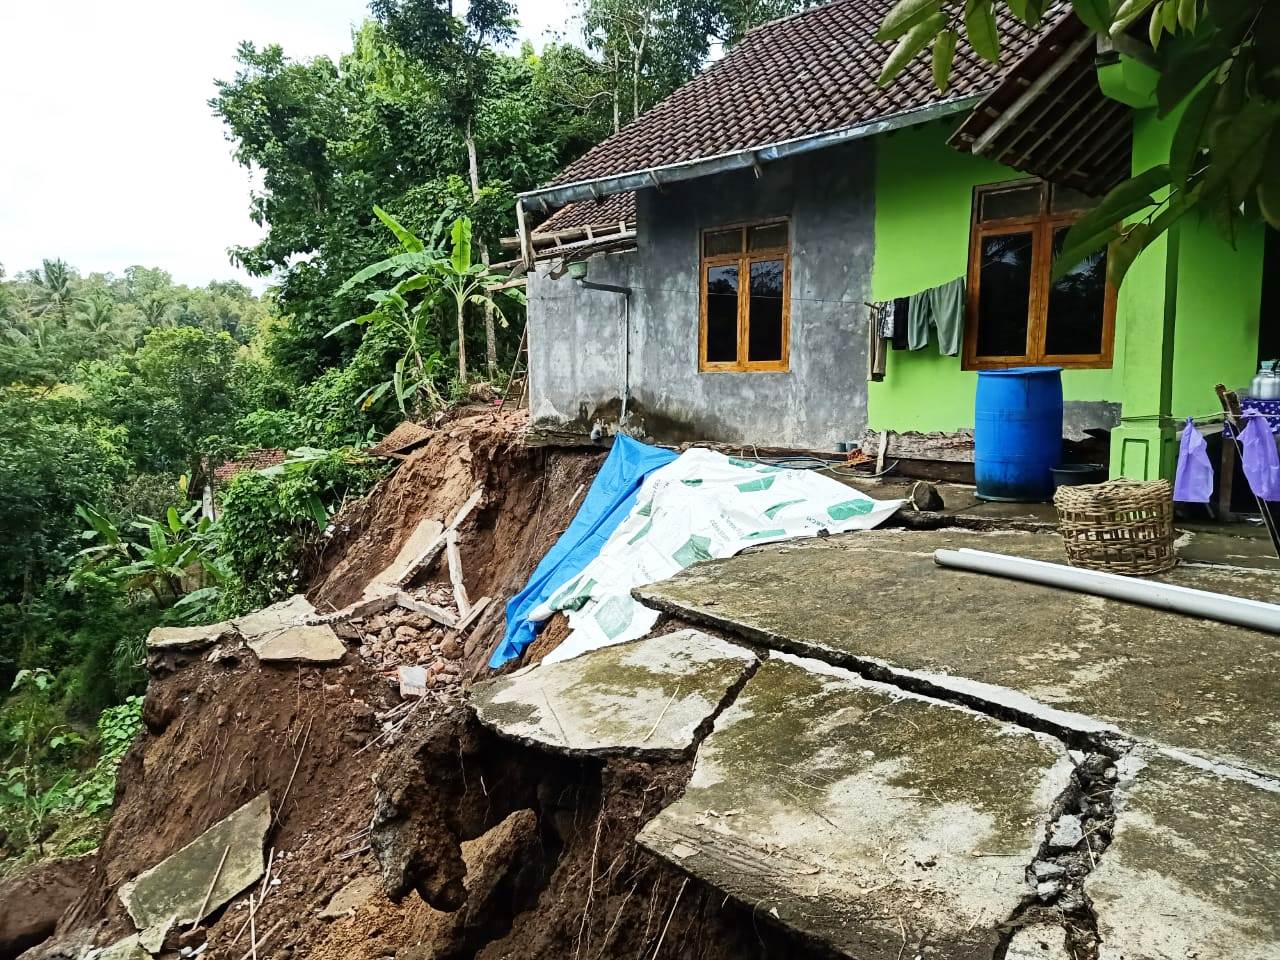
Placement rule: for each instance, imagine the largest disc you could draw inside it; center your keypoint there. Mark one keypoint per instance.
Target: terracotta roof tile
(253, 460)
(402, 439)
(608, 212)
(806, 74)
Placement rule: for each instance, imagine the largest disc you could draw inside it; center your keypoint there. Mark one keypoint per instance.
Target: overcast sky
(109, 155)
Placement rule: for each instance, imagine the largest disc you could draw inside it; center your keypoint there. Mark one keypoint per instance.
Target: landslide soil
(532, 856)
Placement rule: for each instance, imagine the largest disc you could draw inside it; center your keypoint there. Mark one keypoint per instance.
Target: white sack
(702, 506)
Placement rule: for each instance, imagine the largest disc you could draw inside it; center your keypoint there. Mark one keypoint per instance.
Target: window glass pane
(772, 236)
(1067, 199)
(765, 338)
(722, 314)
(1005, 204)
(722, 241)
(1076, 304)
(1004, 295)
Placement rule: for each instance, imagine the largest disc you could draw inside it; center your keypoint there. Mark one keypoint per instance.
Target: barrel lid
(1021, 372)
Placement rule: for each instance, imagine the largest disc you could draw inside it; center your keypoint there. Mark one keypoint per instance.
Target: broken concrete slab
(287, 613)
(367, 607)
(174, 889)
(646, 697)
(424, 536)
(128, 948)
(1193, 869)
(350, 897)
(876, 601)
(188, 638)
(313, 644)
(879, 823)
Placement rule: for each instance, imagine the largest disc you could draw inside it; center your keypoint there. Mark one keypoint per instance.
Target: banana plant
(437, 277)
(175, 560)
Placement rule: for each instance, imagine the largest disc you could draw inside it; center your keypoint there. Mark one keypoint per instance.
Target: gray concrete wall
(576, 335)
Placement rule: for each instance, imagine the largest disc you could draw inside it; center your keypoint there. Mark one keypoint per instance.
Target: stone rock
(406, 633)
(925, 496)
(1046, 890)
(188, 638)
(33, 898)
(1067, 832)
(350, 897)
(174, 889)
(287, 613)
(1041, 942)
(451, 649)
(1046, 870)
(318, 644)
(127, 949)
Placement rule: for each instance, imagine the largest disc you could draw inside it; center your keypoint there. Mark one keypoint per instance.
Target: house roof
(1050, 117)
(405, 437)
(253, 460)
(789, 80)
(596, 214)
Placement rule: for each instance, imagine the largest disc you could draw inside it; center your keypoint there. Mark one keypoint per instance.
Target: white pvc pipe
(1163, 596)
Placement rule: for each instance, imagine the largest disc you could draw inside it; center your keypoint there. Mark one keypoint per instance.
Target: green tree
(54, 453)
(1218, 63)
(459, 50)
(172, 396)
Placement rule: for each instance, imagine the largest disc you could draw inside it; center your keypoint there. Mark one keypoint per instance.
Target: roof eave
(550, 197)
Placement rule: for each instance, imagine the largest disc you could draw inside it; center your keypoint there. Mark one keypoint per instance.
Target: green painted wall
(1219, 300)
(1190, 304)
(924, 196)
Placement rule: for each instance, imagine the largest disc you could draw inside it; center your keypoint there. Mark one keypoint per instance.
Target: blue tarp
(608, 502)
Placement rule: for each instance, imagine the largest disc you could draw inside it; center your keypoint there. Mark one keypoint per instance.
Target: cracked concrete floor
(890, 798)
(1194, 870)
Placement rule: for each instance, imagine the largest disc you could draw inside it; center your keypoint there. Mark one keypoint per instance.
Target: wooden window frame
(1041, 226)
(743, 260)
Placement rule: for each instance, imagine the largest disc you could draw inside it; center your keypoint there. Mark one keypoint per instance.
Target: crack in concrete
(1057, 874)
(1059, 899)
(1078, 731)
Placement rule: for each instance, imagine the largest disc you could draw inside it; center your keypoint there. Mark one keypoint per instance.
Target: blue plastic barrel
(1017, 435)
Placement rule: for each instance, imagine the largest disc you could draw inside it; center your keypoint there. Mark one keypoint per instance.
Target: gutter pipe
(1240, 611)
(549, 197)
(625, 293)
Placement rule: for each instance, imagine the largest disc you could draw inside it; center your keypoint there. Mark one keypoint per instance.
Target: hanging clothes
(881, 318)
(1260, 459)
(1193, 482)
(939, 308)
(901, 312)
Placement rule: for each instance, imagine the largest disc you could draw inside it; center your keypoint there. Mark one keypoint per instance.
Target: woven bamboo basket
(1121, 526)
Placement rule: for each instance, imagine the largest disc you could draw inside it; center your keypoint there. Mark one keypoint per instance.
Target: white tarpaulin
(702, 506)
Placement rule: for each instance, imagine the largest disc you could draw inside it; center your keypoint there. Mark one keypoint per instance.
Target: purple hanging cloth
(1194, 480)
(1261, 461)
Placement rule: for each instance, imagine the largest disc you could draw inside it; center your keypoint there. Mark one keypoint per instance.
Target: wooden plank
(428, 610)
(951, 447)
(469, 620)
(428, 556)
(424, 560)
(455, 573)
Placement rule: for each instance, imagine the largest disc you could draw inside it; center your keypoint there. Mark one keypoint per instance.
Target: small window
(1017, 313)
(745, 289)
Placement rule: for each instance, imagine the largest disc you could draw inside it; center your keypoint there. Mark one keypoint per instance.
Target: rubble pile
(400, 637)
